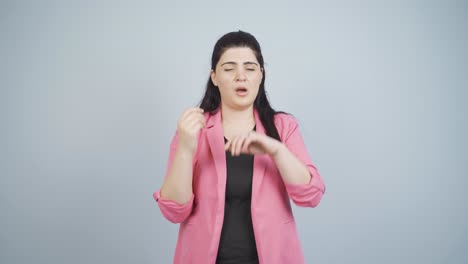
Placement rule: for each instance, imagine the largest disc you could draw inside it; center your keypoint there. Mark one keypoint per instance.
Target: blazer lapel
(260, 161)
(215, 136)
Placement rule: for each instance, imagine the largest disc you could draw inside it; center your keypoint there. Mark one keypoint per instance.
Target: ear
(213, 77)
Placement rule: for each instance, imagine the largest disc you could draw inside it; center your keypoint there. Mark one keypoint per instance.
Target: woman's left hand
(253, 143)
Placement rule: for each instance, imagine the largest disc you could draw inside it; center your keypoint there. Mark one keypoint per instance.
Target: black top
(237, 243)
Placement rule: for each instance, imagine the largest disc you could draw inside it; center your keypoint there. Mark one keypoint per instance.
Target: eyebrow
(245, 63)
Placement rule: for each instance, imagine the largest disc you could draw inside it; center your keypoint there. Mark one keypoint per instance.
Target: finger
(196, 124)
(234, 145)
(227, 145)
(231, 144)
(197, 127)
(189, 111)
(246, 145)
(239, 144)
(251, 139)
(194, 116)
(201, 118)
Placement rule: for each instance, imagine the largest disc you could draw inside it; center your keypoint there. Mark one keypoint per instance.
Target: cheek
(224, 87)
(224, 80)
(258, 81)
(257, 77)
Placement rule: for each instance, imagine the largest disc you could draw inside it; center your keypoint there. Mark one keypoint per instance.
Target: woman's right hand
(190, 123)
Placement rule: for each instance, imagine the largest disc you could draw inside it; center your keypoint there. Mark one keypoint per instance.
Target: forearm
(292, 170)
(178, 184)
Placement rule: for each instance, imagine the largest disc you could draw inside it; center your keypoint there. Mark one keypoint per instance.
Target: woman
(234, 163)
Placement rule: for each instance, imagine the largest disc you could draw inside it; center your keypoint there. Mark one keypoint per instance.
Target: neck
(238, 117)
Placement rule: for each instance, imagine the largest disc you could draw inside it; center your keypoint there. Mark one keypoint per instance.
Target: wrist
(185, 152)
(280, 148)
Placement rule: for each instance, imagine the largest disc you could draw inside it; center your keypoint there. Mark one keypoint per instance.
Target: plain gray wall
(91, 92)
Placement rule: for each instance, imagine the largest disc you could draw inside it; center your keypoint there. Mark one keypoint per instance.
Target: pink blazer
(201, 218)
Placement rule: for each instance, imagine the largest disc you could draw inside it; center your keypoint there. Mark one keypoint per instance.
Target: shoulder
(212, 117)
(207, 115)
(286, 124)
(285, 121)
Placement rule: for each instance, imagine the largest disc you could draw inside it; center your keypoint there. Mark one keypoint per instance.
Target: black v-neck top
(237, 243)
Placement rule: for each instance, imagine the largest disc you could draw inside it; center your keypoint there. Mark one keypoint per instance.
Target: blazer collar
(215, 120)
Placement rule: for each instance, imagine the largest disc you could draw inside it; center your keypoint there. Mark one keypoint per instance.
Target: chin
(243, 106)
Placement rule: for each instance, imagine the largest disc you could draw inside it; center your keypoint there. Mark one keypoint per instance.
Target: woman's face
(238, 76)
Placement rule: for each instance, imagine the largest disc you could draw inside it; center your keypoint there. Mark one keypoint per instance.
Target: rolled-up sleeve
(172, 210)
(309, 194)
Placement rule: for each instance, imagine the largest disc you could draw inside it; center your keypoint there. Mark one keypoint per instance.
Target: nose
(241, 76)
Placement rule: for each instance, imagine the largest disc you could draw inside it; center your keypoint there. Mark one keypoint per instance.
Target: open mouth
(241, 91)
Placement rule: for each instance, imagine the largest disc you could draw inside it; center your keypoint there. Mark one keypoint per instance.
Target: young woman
(234, 164)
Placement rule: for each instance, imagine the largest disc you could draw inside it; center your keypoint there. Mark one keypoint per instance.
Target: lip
(241, 87)
(243, 92)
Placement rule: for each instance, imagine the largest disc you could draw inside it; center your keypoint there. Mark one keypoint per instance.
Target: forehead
(238, 54)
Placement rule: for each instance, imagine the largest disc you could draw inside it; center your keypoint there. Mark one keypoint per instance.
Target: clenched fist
(189, 125)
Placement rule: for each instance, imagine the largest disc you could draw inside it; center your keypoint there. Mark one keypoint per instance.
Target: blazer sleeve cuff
(308, 194)
(172, 210)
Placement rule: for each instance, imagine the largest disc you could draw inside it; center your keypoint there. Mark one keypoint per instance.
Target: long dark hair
(212, 98)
